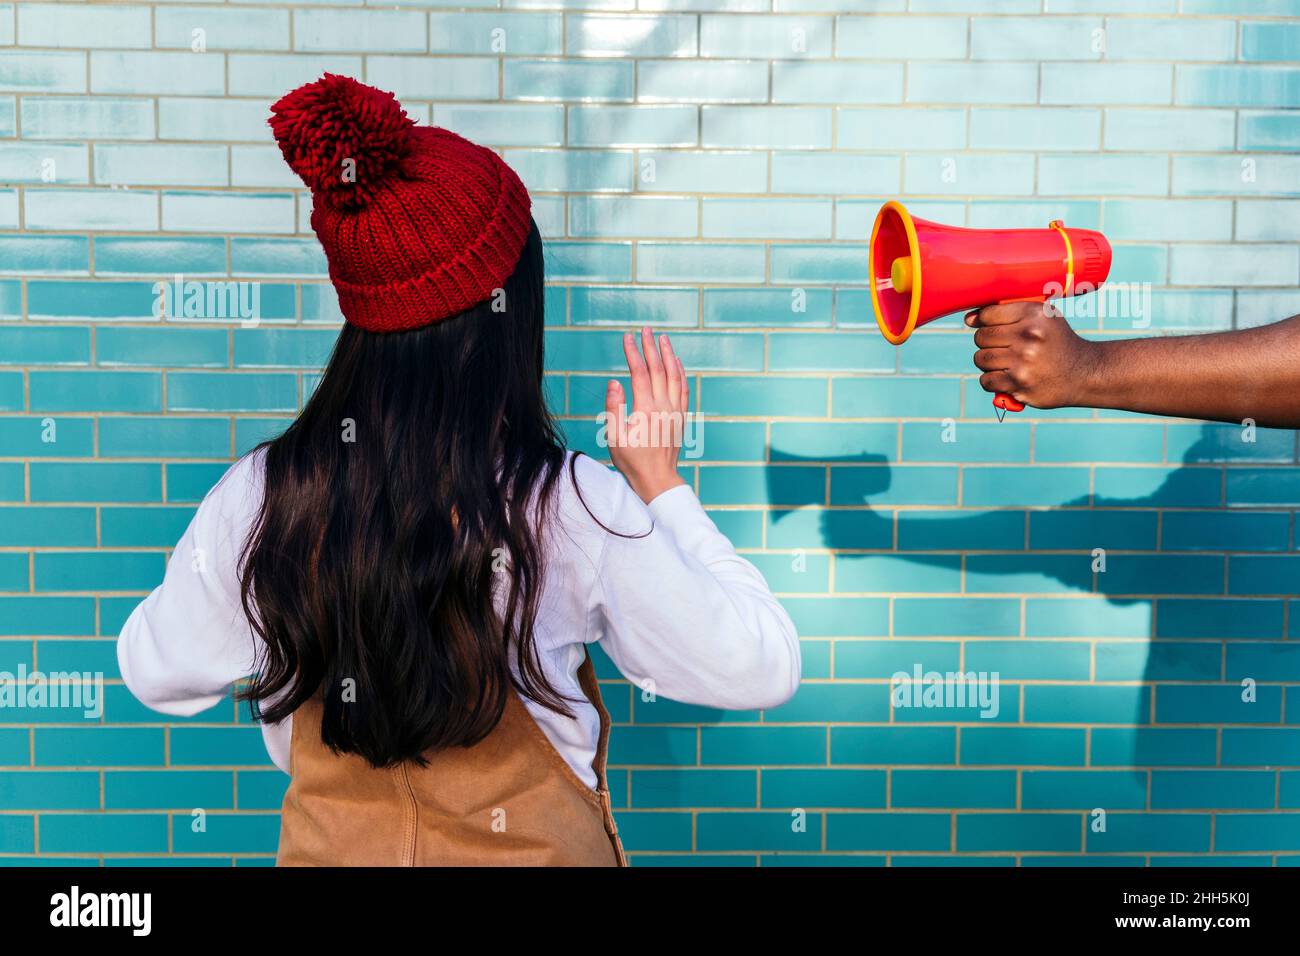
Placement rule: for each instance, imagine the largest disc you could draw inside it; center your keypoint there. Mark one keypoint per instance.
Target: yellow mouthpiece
(900, 274)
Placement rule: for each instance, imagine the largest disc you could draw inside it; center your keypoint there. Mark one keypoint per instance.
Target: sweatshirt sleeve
(679, 608)
(188, 641)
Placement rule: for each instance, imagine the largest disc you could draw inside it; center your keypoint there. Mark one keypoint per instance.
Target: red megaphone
(921, 270)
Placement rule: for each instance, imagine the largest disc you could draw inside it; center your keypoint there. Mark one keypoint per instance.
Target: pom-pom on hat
(417, 223)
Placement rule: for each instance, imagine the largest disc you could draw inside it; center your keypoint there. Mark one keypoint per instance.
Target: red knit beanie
(417, 223)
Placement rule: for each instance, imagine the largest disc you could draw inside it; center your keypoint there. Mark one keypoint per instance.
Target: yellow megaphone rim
(914, 248)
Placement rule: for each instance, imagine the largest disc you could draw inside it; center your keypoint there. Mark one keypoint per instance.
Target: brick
(57, 25)
(640, 36)
(220, 120)
(1260, 175)
(222, 30)
(443, 78)
(95, 391)
(1235, 265)
(893, 745)
(714, 171)
(784, 127)
(632, 126)
(175, 73)
(511, 34)
(164, 437)
(701, 81)
(768, 36)
(43, 71)
(835, 83)
(767, 745)
(47, 255)
(1019, 832)
(888, 831)
(733, 831)
(982, 173)
(987, 789)
(1007, 38)
(228, 833)
(1211, 789)
(1238, 86)
(626, 217)
(368, 31)
(1083, 789)
(1270, 42)
(820, 788)
(1127, 832)
(910, 37)
(232, 212)
(589, 81)
(98, 746)
(1132, 175)
(1029, 128)
(1014, 745)
(99, 118)
(1141, 38)
(146, 255)
(221, 391)
(972, 82)
(1128, 84)
(143, 527)
(1257, 831)
(134, 165)
(270, 75)
(104, 833)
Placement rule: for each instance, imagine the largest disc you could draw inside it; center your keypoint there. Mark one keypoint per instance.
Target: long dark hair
(398, 507)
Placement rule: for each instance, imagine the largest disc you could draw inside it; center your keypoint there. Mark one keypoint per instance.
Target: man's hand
(1029, 351)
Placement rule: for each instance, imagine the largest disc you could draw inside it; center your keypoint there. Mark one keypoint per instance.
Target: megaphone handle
(1002, 400)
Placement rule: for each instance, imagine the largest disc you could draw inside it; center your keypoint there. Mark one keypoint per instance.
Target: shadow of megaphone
(818, 502)
(796, 481)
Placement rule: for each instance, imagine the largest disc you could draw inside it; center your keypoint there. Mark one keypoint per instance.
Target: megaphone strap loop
(1059, 226)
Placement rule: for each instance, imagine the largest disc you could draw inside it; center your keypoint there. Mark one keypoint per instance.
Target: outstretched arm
(1028, 350)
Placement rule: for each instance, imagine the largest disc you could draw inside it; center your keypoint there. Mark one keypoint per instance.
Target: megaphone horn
(920, 270)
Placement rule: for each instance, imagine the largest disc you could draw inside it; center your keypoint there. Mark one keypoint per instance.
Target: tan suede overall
(509, 800)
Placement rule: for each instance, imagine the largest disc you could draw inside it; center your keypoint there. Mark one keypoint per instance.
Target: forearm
(722, 641)
(1222, 376)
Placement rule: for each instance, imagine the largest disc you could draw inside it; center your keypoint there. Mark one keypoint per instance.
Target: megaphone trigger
(1005, 403)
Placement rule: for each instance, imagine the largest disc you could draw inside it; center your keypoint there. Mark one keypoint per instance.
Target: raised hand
(644, 442)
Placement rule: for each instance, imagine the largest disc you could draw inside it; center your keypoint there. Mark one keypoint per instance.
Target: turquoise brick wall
(702, 165)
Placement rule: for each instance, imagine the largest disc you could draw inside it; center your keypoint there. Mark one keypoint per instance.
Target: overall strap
(591, 688)
(587, 681)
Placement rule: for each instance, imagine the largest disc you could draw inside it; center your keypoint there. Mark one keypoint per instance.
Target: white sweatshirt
(678, 611)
